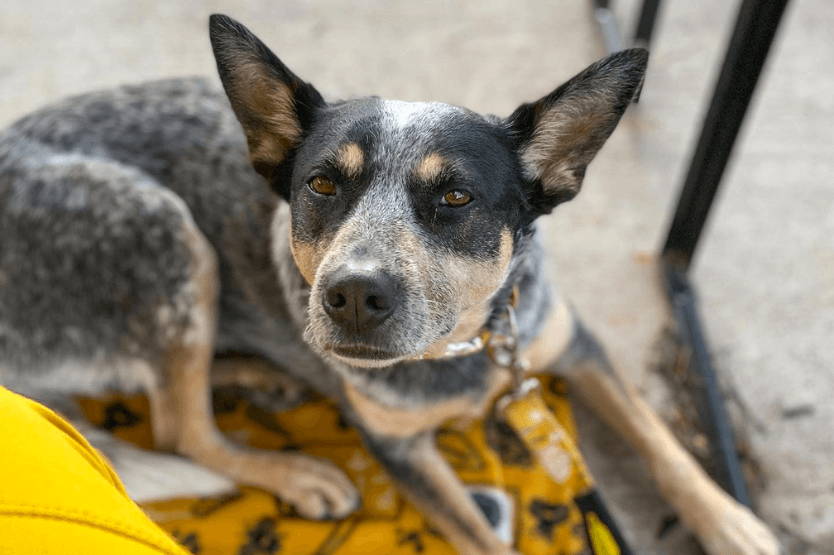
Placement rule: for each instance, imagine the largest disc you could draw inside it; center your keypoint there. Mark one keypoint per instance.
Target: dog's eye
(456, 198)
(321, 185)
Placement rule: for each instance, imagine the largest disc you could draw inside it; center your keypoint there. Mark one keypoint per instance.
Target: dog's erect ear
(273, 105)
(558, 136)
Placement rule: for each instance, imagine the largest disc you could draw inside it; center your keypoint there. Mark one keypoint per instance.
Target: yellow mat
(507, 482)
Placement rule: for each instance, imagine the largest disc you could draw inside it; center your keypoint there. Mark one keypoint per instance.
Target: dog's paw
(735, 530)
(316, 488)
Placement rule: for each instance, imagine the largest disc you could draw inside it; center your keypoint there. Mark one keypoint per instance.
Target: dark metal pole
(645, 26)
(754, 32)
(751, 40)
(705, 391)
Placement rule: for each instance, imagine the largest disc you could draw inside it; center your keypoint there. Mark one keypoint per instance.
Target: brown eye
(321, 185)
(457, 198)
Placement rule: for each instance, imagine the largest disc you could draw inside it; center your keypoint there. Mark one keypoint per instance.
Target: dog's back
(94, 193)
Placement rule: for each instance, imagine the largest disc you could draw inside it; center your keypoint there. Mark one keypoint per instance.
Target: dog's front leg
(183, 419)
(428, 482)
(723, 526)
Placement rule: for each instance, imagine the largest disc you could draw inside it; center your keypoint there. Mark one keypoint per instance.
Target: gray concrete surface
(765, 270)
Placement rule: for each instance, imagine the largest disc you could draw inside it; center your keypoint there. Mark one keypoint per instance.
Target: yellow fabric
(57, 495)
(253, 522)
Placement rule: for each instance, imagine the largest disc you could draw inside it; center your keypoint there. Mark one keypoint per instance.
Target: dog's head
(406, 217)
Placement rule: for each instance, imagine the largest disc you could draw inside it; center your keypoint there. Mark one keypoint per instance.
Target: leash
(524, 409)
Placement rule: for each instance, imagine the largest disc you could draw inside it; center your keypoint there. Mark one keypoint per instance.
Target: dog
(366, 246)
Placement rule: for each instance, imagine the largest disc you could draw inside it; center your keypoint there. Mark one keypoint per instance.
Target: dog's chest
(409, 398)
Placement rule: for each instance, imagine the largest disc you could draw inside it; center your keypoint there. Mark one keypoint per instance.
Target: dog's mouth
(364, 355)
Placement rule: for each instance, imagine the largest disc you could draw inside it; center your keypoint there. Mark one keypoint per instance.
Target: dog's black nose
(359, 300)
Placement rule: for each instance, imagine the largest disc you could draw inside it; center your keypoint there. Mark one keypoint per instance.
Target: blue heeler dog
(156, 238)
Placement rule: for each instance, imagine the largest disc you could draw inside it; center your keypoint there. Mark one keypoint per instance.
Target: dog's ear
(558, 136)
(273, 105)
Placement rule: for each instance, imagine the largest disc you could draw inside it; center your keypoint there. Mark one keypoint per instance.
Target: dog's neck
(499, 305)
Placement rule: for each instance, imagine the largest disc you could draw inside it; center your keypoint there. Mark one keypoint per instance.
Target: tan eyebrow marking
(430, 167)
(350, 160)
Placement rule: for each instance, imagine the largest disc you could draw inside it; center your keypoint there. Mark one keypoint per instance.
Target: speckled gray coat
(91, 251)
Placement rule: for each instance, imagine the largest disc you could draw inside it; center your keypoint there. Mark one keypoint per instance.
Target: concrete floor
(764, 271)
